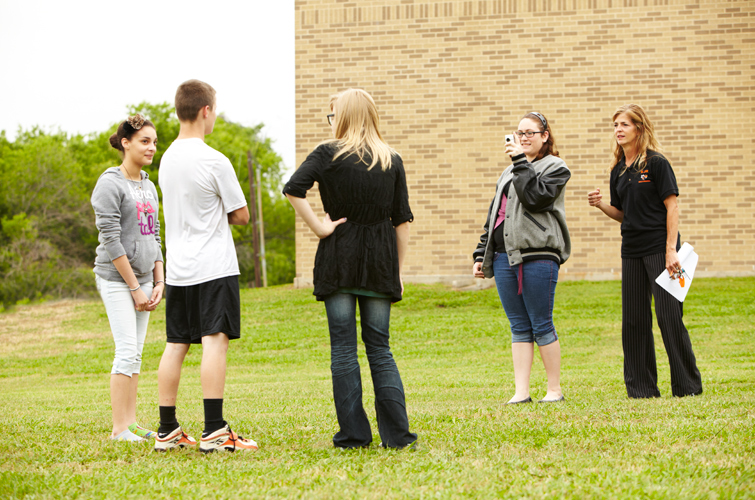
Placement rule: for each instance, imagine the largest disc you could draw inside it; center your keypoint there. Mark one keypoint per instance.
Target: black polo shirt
(639, 193)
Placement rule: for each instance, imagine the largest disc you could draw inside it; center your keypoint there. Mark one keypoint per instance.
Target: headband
(542, 119)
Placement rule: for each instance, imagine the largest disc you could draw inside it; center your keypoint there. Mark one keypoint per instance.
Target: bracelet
(159, 281)
(135, 289)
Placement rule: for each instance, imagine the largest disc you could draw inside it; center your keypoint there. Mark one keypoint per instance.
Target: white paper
(688, 259)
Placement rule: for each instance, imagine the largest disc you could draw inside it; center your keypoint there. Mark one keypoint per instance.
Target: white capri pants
(128, 325)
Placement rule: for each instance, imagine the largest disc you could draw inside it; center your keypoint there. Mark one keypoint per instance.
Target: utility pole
(261, 226)
(253, 214)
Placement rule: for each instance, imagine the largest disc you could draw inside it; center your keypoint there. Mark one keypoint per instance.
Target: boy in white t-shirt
(201, 198)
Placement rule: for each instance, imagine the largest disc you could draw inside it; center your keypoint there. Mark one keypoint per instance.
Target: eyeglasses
(529, 133)
(330, 118)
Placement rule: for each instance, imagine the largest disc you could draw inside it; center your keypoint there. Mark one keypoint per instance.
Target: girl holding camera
(525, 240)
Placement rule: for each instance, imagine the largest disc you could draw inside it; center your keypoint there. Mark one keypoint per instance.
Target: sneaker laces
(235, 437)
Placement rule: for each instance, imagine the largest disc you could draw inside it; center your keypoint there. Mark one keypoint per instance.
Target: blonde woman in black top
(644, 200)
(363, 241)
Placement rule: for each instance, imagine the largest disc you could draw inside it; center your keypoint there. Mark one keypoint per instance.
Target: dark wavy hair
(549, 146)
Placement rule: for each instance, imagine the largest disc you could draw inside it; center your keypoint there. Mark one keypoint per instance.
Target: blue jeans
(390, 404)
(531, 313)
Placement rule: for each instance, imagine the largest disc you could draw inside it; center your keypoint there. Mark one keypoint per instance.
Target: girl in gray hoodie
(129, 259)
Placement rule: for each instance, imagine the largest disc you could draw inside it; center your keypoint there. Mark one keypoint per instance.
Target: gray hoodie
(126, 216)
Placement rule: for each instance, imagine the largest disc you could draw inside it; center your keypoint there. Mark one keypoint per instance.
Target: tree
(234, 140)
(47, 231)
(45, 217)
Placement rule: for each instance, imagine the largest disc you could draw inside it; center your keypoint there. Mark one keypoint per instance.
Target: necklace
(127, 174)
(141, 206)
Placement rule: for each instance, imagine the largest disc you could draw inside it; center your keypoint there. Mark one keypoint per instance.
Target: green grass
(453, 350)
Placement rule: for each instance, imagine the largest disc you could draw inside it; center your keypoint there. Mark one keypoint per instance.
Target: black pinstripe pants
(640, 373)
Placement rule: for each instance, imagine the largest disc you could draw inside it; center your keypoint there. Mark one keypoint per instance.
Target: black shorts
(191, 312)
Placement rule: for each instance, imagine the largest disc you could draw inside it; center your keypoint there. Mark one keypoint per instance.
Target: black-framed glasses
(528, 134)
(330, 118)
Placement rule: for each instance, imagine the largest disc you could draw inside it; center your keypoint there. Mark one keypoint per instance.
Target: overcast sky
(76, 65)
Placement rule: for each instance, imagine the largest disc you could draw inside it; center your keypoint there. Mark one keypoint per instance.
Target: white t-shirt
(200, 189)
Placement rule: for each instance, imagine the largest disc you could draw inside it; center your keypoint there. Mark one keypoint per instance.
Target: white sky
(76, 65)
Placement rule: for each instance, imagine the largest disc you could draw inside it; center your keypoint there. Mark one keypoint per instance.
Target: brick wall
(451, 78)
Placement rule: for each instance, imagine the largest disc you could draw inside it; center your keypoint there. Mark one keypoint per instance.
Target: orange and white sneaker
(176, 439)
(225, 439)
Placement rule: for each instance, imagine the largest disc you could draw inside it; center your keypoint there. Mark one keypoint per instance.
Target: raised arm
(537, 193)
(595, 199)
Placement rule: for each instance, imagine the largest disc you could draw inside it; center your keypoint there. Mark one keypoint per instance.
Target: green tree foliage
(235, 141)
(47, 232)
(45, 229)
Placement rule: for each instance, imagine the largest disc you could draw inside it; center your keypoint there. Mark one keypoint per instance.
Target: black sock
(213, 415)
(168, 422)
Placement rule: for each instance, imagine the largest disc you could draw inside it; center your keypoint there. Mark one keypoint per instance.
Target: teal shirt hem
(366, 293)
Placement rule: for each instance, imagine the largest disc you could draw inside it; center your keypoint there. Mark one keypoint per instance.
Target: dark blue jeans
(390, 403)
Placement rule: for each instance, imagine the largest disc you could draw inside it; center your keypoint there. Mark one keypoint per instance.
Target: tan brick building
(451, 78)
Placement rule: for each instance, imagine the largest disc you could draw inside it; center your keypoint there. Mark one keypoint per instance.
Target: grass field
(453, 350)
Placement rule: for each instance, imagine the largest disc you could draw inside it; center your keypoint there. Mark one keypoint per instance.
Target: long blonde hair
(645, 135)
(357, 130)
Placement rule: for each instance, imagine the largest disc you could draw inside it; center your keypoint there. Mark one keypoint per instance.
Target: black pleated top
(361, 253)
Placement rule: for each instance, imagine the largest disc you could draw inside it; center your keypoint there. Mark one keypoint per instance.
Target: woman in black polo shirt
(643, 200)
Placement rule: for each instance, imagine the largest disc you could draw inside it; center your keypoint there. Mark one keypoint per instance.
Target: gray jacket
(126, 214)
(535, 225)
